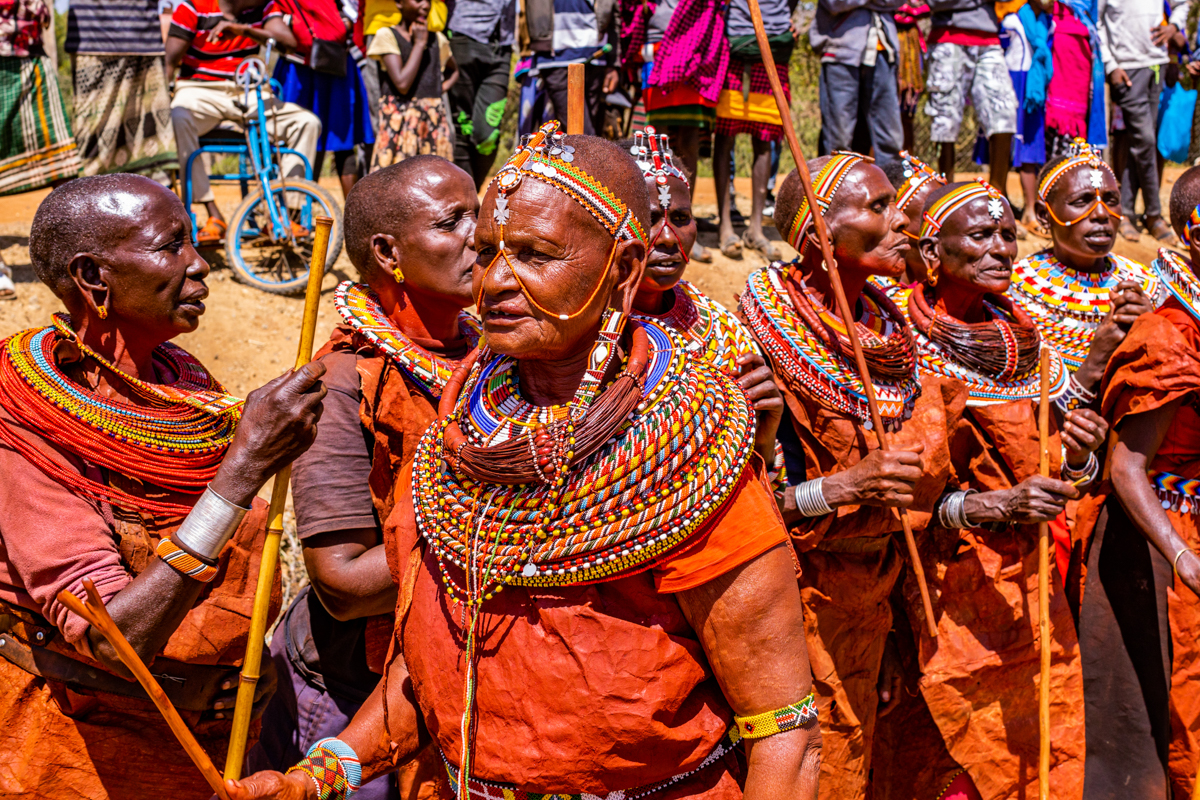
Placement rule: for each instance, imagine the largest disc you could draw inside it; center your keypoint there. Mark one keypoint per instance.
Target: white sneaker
(8, 290)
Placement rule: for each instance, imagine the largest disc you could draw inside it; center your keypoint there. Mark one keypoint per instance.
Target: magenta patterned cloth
(694, 49)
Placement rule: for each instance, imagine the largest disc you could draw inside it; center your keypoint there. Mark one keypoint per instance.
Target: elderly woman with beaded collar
(963, 725)
(116, 445)
(1081, 295)
(663, 298)
(842, 506)
(595, 593)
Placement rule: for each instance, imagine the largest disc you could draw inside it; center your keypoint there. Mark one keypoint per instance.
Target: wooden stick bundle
(251, 666)
(835, 281)
(1044, 586)
(98, 617)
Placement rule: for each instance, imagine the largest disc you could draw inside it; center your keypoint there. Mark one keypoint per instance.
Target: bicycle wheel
(281, 266)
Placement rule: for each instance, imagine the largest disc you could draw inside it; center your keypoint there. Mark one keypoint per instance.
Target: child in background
(412, 118)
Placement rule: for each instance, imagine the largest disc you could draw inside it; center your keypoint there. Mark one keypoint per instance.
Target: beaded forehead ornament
(825, 185)
(652, 151)
(941, 209)
(1079, 154)
(916, 175)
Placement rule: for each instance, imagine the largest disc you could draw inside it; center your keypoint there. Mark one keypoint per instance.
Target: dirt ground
(248, 337)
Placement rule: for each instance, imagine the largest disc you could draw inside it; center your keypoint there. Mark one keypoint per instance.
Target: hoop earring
(398, 274)
(103, 312)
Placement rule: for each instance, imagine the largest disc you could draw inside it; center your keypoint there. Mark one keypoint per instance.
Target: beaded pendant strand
(1177, 276)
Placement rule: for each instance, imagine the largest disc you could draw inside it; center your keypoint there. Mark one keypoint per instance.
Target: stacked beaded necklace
(1068, 305)
(175, 440)
(959, 350)
(1177, 276)
(811, 352)
(361, 310)
(718, 336)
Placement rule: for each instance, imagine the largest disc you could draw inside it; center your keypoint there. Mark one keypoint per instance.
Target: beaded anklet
(781, 720)
(333, 767)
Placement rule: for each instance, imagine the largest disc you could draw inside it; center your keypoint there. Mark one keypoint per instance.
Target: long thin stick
(835, 282)
(251, 667)
(1044, 586)
(98, 617)
(575, 98)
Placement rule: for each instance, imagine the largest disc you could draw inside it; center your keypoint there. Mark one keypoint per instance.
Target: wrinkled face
(437, 240)
(149, 264)
(666, 262)
(560, 254)
(866, 227)
(1070, 198)
(974, 252)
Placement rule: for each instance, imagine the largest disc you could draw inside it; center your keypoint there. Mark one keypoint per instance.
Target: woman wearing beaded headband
(410, 233)
(967, 329)
(841, 506)
(115, 445)
(1143, 574)
(549, 621)
(1082, 296)
(914, 180)
(664, 298)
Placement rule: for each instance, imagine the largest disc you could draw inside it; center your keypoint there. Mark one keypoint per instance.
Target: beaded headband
(547, 158)
(652, 151)
(941, 209)
(916, 174)
(1193, 220)
(1079, 154)
(825, 185)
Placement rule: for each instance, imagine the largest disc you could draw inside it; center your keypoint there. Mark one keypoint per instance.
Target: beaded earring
(103, 312)
(398, 274)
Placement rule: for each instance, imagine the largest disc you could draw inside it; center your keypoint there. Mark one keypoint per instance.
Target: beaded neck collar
(1178, 278)
(360, 308)
(809, 365)
(708, 327)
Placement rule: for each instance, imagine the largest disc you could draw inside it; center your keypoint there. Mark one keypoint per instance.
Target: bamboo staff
(575, 98)
(251, 666)
(835, 281)
(98, 617)
(1044, 586)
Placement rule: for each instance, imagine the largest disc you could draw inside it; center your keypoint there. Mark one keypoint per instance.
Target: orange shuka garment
(849, 562)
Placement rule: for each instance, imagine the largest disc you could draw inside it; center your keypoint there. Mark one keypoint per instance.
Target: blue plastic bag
(1176, 107)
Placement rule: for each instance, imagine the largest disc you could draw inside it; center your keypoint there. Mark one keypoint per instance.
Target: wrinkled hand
(272, 786)
(612, 79)
(1163, 35)
(279, 422)
(1083, 432)
(1035, 499)
(1118, 78)
(880, 479)
(890, 678)
(758, 382)
(224, 702)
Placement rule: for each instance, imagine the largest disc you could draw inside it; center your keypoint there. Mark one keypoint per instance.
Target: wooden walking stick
(835, 281)
(576, 106)
(98, 617)
(266, 570)
(1044, 586)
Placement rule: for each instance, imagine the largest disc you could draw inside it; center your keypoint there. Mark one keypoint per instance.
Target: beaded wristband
(810, 499)
(333, 767)
(781, 720)
(1075, 396)
(184, 562)
(1084, 476)
(210, 524)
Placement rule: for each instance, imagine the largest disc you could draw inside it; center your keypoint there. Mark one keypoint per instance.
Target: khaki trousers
(199, 106)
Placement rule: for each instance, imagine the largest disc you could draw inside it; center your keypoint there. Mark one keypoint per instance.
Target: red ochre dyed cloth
(583, 688)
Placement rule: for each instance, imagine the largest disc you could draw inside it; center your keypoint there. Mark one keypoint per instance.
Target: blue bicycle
(269, 241)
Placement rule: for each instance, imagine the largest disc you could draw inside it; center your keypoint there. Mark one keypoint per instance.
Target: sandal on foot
(731, 247)
(1036, 228)
(1127, 230)
(700, 253)
(1161, 231)
(213, 233)
(763, 245)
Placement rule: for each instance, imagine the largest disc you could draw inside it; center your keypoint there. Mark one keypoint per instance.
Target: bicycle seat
(225, 133)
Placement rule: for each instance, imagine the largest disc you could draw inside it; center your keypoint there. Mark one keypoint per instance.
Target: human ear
(385, 253)
(927, 248)
(630, 266)
(1042, 213)
(91, 279)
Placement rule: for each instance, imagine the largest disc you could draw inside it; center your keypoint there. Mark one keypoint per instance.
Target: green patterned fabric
(36, 145)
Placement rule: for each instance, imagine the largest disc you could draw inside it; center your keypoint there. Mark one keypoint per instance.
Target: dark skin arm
(880, 479)
(1140, 437)
(1128, 303)
(758, 382)
(403, 74)
(176, 48)
(452, 68)
(274, 28)
(349, 573)
(751, 626)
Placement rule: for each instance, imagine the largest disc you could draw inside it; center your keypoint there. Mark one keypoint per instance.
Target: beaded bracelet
(1083, 476)
(184, 562)
(810, 499)
(781, 720)
(333, 767)
(1075, 396)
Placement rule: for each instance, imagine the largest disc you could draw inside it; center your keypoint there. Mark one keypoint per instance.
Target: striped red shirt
(210, 59)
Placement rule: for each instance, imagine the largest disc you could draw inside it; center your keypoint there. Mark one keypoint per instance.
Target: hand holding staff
(1044, 586)
(251, 667)
(785, 112)
(97, 616)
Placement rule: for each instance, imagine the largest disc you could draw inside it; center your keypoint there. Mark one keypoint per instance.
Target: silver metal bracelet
(810, 498)
(952, 513)
(210, 525)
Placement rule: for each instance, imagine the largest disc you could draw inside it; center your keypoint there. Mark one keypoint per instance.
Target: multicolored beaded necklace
(360, 308)
(176, 440)
(707, 325)
(1068, 305)
(1177, 276)
(816, 363)
(1176, 493)
(1013, 383)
